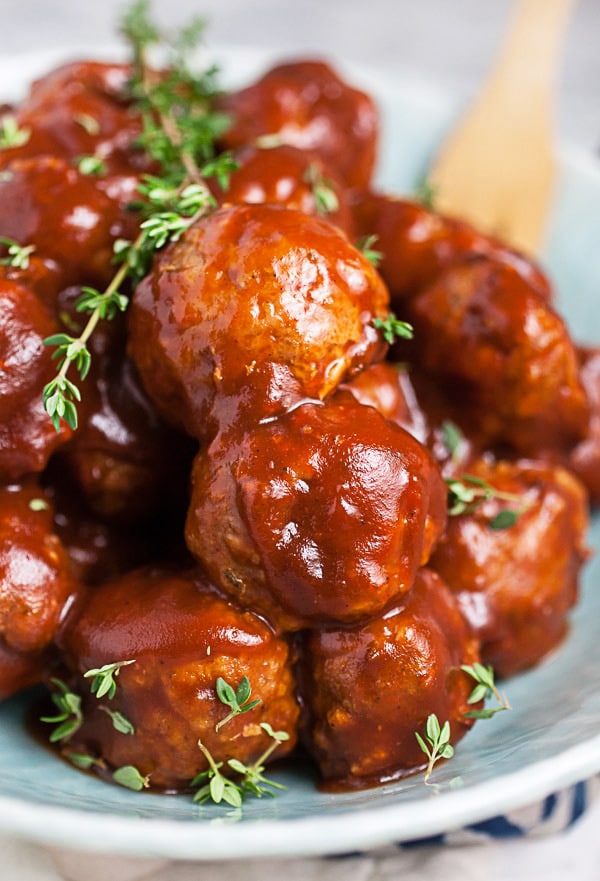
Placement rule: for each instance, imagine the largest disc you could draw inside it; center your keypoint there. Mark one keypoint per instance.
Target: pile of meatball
(258, 484)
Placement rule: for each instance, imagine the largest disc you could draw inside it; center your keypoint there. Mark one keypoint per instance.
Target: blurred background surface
(450, 42)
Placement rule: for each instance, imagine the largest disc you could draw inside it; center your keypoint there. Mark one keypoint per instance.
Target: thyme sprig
(253, 779)
(16, 255)
(366, 246)
(452, 438)
(485, 689)
(435, 743)
(179, 130)
(426, 194)
(238, 701)
(69, 716)
(326, 200)
(468, 493)
(217, 787)
(11, 135)
(103, 678)
(392, 328)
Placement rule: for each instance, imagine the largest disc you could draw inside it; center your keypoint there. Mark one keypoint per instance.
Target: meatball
(324, 514)
(501, 353)
(27, 436)
(307, 105)
(296, 178)
(19, 670)
(417, 243)
(47, 203)
(36, 586)
(124, 459)
(368, 690)
(248, 287)
(79, 109)
(103, 80)
(412, 401)
(516, 585)
(182, 636)
(41, 274)
(100, 549)
(584, 458)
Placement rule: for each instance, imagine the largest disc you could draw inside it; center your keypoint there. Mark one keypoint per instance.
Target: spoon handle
(497, 168)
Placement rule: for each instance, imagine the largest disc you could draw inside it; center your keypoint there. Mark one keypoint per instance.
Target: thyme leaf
(10, 133)
(237, 700)
(129, 777)
(365, 246)
(103, 678)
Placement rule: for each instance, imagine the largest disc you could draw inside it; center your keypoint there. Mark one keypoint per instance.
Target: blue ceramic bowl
(523, 771)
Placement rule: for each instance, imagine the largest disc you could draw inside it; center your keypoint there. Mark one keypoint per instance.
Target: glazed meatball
(36, 586)
(516, 585)
(411, 400)
(47, 203)
(499, 351)
(27, 436)
(101, 549)
(388, 388)
(79, 109)
(182, 636)
(367, 690)
(41, 274)
(307, 105)
(324, 514)
(584, 458)
(19, 670)
(246, 288)
(296, 178)
(416, 244)
(123, 458)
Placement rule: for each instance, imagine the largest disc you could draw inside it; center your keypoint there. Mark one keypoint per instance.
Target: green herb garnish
(129, 777)
(38, 505)
(120, 723)
(453, 438)
(92, 166)
(468, 492)
(326, 200)
(10, 133)
(88, 123)
(179, 132)
(103, 678)
(436, 742)
(69, 717)
(392, 328)
(18, 255)
(238, 700)
(484, 689)
(365, 246)
(426, 194)
(217, 787)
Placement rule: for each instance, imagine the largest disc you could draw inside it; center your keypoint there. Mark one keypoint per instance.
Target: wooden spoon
(497, 168)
